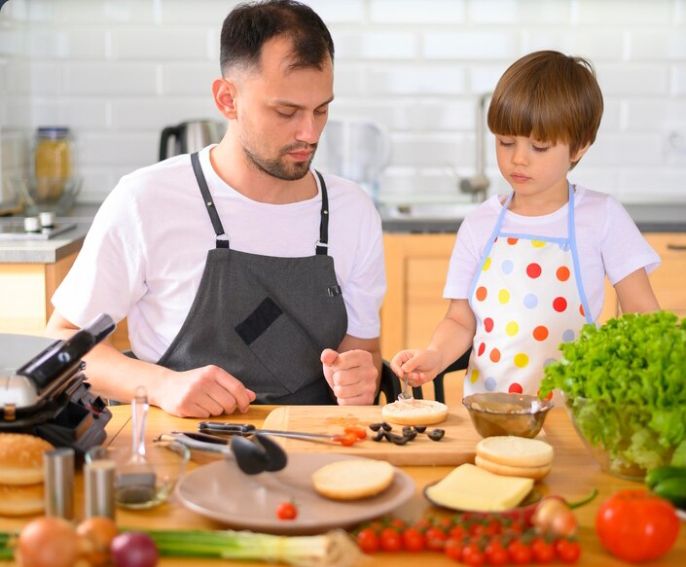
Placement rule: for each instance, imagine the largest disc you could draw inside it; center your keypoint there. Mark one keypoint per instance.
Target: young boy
(527, 271)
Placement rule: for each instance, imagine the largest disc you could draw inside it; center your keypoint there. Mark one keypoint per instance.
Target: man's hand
(351, 375)
(201, 392)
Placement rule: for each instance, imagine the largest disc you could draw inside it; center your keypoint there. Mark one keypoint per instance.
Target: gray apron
(264, 319)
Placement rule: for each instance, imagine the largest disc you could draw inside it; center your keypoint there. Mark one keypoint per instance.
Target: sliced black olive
(386, 426)
(374, 426)
(388, 435)
(379, 436)
(410, 435)
(436, 434)
(398, 439)
(420, 428)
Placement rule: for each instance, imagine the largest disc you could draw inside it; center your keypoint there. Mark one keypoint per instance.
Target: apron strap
(222, 240)
(322, 244)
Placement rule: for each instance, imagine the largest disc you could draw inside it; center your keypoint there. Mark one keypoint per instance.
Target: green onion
(6, 551)
(335, 548)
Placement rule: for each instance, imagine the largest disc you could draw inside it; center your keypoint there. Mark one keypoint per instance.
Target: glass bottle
(52, 162)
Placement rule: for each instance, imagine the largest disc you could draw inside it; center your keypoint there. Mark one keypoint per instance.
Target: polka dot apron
(527, 298)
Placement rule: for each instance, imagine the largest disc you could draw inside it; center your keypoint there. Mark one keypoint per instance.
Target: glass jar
(53, 163)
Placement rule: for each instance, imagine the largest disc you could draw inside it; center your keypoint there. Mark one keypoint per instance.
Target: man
(244, 274)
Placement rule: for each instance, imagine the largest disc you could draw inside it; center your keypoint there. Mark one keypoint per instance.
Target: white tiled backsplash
(117, 71)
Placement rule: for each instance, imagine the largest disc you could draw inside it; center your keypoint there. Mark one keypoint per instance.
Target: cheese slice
(469, 487)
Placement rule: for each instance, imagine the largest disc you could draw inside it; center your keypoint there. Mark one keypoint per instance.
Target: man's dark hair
(248, 26)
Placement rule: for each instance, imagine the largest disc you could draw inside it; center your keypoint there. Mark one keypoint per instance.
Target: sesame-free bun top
(415, 412)
(21, 458)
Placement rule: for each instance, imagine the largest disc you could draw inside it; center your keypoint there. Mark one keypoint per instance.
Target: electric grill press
(48, 396)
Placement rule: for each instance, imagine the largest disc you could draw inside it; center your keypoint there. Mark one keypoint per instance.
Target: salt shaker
(58, 466)
(99, 477)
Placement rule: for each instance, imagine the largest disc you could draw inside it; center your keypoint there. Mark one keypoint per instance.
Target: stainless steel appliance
(48, 395)
(189, 137)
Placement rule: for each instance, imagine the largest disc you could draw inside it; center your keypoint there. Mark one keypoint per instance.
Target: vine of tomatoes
(470, 539)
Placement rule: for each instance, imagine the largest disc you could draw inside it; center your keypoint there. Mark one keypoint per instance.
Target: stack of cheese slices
(21, 474)
(514, 456)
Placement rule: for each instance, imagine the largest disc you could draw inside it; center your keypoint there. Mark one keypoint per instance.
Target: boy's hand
(418, 366)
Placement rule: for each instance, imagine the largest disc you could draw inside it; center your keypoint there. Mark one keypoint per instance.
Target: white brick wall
(117, 71)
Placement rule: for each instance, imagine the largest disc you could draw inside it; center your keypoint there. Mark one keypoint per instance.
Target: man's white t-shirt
(145, 252)
(608, 241)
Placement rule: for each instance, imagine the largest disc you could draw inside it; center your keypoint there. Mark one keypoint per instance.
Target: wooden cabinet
(25, 292)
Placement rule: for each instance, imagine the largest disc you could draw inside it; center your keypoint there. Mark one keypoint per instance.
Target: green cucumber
(672, 489)
(659, 474)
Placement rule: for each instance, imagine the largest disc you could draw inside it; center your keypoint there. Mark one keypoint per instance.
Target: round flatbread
(536, 473)
(353, 479)
(21, 458)
(515, 451)
(21, 500)
(415, 412)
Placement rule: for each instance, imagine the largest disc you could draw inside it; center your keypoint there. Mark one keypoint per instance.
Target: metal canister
(58, 466)
(99, 477)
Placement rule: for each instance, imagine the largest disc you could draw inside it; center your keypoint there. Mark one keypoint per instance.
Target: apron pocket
(281, 346)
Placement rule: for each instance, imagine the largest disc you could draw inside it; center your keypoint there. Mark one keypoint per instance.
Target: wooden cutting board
(456, 447)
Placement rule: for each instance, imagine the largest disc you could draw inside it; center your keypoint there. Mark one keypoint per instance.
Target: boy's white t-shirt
(608, 242)
(145, 252)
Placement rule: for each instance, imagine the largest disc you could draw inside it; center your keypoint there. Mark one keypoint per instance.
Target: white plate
(220, 491)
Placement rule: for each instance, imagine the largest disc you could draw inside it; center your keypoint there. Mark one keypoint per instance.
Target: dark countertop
(650, 217)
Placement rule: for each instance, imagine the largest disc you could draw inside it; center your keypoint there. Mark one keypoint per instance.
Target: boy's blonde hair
(549, 96)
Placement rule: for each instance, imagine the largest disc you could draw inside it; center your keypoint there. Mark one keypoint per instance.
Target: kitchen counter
(649, 217)
(574, 474)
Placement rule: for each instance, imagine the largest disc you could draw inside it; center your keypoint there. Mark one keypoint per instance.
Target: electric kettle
(189, 137)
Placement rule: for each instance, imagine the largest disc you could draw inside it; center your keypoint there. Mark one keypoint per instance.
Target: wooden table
(574, 474)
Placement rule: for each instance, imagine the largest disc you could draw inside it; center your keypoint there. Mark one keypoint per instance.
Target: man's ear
(224, 94)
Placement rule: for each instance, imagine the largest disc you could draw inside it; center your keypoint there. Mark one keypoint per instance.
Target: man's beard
(278, 168)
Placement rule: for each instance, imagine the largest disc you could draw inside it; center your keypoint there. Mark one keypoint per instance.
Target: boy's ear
(579, 154)
(224, 93)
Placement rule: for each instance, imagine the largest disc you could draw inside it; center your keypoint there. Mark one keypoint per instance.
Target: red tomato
(346, 440)
(413, 540)
(636, 525)
(472, 555)
(368, 541)
(453, 548)
(457, 532)
(542, 551)
(286, 511)
(496, 554)
(519, 553)
(435, 539)
(567, 551)
(390, 540)
(358, 432)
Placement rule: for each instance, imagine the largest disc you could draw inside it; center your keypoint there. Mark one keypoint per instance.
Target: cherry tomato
(435, 539)
(496, 554)
(413, 540)
(398, 524)
(367, 540)
(453, 548)
(635, 525)
(358, 432)
(519, 553)
(457, 532)
(542, 551)
(567, 551)
(286, 511)
(346, 440)
(390, 540)
(472, 555)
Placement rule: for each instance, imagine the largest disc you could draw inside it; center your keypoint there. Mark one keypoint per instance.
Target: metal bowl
(500, 413)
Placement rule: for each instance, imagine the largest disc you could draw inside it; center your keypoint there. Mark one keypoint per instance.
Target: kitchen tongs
(247, 429)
